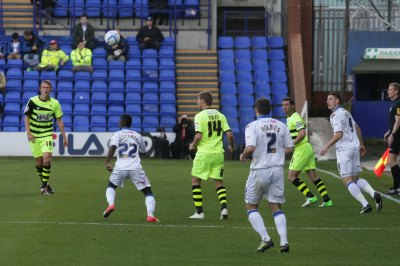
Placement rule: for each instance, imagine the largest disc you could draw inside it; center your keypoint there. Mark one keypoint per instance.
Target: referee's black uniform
(395, 146)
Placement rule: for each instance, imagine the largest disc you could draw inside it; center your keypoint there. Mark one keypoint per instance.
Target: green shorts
(207, 165)
(41, 145)
(303, 158)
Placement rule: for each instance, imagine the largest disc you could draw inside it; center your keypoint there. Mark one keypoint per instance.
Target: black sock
(396, 176)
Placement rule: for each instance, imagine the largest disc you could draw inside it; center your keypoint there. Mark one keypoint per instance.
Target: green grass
(67, 228)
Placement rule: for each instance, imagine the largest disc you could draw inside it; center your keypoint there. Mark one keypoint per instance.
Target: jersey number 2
(127, 150)
(271, 141)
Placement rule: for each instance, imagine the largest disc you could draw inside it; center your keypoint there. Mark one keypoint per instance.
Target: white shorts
(348, 162)
(137, 177)
(267, 183)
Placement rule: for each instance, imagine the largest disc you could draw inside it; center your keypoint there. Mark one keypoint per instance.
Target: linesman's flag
(381, 164)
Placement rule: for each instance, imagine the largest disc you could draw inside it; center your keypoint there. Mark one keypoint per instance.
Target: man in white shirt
(128, 144)
(349, 144)
(267, 140)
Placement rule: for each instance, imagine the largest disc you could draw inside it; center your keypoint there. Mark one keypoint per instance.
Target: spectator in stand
(118, 51)
(3, 82)
(52, 57)
(160, 11)
(149, 36)
(45, 9)
(84, 31)
(14, 47)
(32, 49)
(81, 58)
(184, 130)
(1, 52)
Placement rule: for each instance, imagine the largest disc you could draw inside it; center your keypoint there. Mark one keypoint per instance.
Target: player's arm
(31, 138)
(300, 136)
(196, 140)
(395, 129)
(231, 141)
(336, 137)
(110, 154)
(249, 150)
(363, 150)
(60, 124)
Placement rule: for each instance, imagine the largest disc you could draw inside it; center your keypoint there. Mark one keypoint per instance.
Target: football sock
(302, 187)
(197, 198)
(365, 186)
(39, 171)
(356, 193)
(322, 189)
(150, 205)
(221, 192)
(110, 195)
(45, 175)
(396, 176)
(280, 222)
(257, 223)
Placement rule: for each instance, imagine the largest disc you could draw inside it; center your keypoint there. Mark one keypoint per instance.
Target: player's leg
(110, 196)
(199, 172)
(394, 167)
(38, 155)
(312, 175)
(46, 146)
(217, 173)
(150, 203)
(280, 223)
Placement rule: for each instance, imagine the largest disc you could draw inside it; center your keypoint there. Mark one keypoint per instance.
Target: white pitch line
(338, 177)
(198, 226)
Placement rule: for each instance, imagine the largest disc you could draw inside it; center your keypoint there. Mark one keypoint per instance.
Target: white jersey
(128, 143)
(341, 120)
(270, 137)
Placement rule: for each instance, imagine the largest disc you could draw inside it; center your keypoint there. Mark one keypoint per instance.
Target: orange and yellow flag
(381, 164)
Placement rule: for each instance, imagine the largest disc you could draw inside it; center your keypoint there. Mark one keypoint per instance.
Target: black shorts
(395, 147)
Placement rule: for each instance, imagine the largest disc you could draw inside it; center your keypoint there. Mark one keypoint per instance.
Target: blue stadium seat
(27, 95)
(109, 8)
(277, 111)
(244, 121)
(259, 55)
(150, 121)
(98, 97)
(168, 109)
(68, 64)
(116, 110)
(167, 86)
(14, 85)
(167, 97)
(261, 77)
(81, 97)
(67, 108)
(65, 96)
(168, 41)
(14, 73)
(116, 86)
(116, 74)
(260, 66)
(14, 63)
(61, 8)
(242, 54)
(133, 63)
(192, 9)
(166, 74)
(264, 95)
(278, 77)
(82, 76)
(98, 121)
(242, 42)
(125, 9)
(93, 8)
(49, 75)
(262, 88)
(167, 121)
(230, 112)
(178, 4)
(276, 99)
(226, 65)
(245, 88)
(31, 75)
(225, 42)
(99, 85)
(279, 88)
(99, 52)
(276, 54)
(113, 122)
(246, 112)
(13, 97)
(150, 53)
(81, 123)
(134, 52)
(228, 100)
(133, 86)
(233, 124)
(134, 109)
(10, 128)
(134, 75)
(100, 74)
(77, 8)
(150, 63)
(82, 85)
(67, 119)
(150, 109)
(246, 100)
(276, 42)
(149, 86)
(167, 63)
(150, 97)
(244, 65)
(112, 65)
(12, 108)
(133, 98)
(277, 65)
(64, 74)
(11, 121)
(3, 64)
(116, 98)
(81, 109)
(227, 76)
(31, 85)
(226, 54)
(167, 52)
(142, 8)
(99, 63)
(98, 109)
(258, 42)
(228, 88)
(244, 76)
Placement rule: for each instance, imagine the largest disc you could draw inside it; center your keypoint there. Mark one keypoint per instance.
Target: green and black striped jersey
(41, 114)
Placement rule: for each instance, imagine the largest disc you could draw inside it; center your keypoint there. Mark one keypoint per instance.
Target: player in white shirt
(128, 144)
(267, 140)
(349, 144)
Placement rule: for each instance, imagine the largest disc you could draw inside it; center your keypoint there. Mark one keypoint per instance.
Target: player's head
(393, 90)
(204, 99)
(262, 106)
(125, 121)
(45, 88)
(288, 105)
(334, 100)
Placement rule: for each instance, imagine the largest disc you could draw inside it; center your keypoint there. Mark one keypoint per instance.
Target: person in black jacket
(32, 49)
(159, 9)
(118, 51)
(184, 130)
(149, 36)
(84, 31)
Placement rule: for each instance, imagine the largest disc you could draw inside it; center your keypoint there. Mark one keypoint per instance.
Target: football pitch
(68, 228)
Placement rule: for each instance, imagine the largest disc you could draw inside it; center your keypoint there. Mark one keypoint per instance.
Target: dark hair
(28, 33)
(206, 96)
(14, 36)
(336, 95)
(83, 16)
(263, 106)
(126, 120)
(289, 99)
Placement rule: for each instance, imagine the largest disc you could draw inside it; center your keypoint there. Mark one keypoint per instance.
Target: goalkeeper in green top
(303, 158)
(210, 125)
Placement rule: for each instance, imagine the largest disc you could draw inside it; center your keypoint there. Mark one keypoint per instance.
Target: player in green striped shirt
(210, 125)
(39, 114)
(303, 158)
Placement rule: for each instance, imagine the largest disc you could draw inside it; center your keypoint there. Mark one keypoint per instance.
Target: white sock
(257, 222)
(150, 205)
(280, 222)
(110, 195)
(356, 193)
(365, 186)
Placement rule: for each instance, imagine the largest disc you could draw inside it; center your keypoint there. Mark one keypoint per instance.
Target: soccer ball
(112, 37)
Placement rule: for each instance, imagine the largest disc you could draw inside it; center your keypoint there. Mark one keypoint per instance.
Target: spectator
(81, 58)
(118, 51)
(3, 82)
(14, 47)
(52, 57)
(184, 130)
(149, 36)
(46, 9)
(32, 49)
(1, 52)
(160, 11)
(84, 31)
